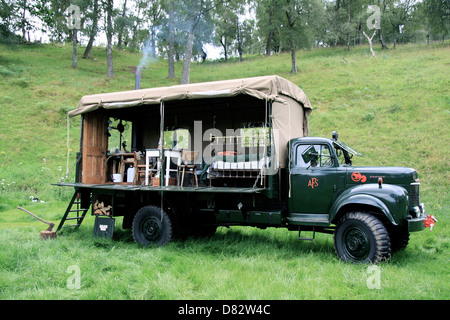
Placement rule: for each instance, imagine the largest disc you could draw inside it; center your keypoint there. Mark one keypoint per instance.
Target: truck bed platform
(129, 187)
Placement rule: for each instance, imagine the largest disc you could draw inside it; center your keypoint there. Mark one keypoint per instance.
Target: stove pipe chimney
(137, 84)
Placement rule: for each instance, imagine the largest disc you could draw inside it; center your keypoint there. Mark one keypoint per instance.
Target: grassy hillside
(394, 108)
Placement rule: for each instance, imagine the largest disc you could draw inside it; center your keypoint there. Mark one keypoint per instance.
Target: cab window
(313, 156)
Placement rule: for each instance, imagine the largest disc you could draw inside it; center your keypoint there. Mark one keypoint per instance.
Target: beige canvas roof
(266, 87)
(291, 107)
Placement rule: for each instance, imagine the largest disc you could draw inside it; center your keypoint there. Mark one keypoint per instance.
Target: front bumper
(416, 224)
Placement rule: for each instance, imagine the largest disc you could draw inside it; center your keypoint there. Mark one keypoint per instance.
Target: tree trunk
(360, 33)
(393, 36)
(74, 54)
(204, 55)
(119, 36)
(153, 41)
(349, 21)
(135, 29)
(109, 57)
(370, 41)
(224, 46)
(239, 40)
(171, 42)
(292, 18)
(280, 46)
(24, 20)
(269, 43)
(382, 41)
(241, 52)
(194, 18)
(87, 51)
(293, 59)
(185, 73)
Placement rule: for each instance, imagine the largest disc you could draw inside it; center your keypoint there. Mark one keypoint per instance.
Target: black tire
(399, 239)
(360, 237)
(152, 225)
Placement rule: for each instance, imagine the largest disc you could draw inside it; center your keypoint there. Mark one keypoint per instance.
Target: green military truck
(183, 160)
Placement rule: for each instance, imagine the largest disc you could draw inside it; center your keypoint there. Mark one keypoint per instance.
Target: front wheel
(360, 237)
(152, 225)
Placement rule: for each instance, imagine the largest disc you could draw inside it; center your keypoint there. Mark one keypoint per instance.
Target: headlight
(422, 208)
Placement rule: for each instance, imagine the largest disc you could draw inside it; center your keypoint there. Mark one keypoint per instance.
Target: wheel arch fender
(348, 201)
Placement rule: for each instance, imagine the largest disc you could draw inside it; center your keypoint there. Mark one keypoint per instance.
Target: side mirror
(309, 154)
(334, 135)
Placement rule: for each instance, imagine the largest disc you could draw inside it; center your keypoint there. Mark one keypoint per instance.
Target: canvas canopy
(290, 106)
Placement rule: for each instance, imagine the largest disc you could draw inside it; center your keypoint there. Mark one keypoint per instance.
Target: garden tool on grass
(46, 234)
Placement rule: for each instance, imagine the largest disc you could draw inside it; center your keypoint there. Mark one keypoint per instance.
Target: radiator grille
(414, 195)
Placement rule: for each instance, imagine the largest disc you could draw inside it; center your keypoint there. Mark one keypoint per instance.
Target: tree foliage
(238, 27)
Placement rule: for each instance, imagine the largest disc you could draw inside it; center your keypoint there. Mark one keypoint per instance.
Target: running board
(308, 219)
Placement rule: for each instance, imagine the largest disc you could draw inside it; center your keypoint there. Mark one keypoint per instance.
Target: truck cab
(326, 189)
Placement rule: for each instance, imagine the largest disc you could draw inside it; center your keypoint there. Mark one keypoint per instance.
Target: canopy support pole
(161, 145)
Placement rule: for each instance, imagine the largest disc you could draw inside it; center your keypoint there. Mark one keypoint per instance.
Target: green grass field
(394, 108)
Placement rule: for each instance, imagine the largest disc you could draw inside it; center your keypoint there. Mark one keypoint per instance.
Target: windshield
(344, 152)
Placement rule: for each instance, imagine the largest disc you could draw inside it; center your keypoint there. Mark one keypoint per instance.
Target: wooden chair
(139, 171)
(188, 158)
(133, 159)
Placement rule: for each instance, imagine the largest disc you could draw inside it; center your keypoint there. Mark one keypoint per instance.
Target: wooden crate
(172, 181)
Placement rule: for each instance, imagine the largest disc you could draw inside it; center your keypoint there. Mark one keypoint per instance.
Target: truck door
(313, 178)
(95, 143)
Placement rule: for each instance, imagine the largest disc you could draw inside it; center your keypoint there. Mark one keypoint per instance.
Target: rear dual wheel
(152, 225)
(360, 238)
